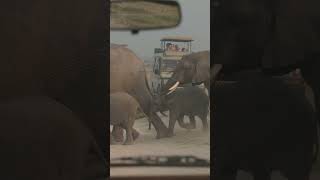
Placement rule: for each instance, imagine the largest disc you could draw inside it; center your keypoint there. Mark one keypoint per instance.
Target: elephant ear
(202, 72)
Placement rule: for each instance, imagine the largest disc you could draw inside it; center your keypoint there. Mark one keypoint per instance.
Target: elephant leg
(149, 125)
(117, 133)
(162, 130)
(181, 120)
(204, 120)
(135, 134)
(145, 99)
(172, 121)
(207, 85)
(186, 125)
(129, 130)
(192, 121)
(183, 124)
(129, 138)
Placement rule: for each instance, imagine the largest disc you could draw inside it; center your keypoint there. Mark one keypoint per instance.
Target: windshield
(127, 75)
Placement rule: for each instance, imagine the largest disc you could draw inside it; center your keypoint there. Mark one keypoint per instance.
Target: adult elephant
(57, 48)
(128, 74)
(276, 36)
(193, 68)
(43, 139)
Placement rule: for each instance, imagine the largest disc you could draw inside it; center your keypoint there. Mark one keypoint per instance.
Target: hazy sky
(195, 23)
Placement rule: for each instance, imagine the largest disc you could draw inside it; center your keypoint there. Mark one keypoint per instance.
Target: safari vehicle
(135, 15)
(166, 58)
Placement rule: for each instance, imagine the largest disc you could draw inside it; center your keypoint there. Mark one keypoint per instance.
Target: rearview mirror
(144, 14)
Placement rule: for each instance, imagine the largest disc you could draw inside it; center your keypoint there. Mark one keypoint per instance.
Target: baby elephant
(123, 109)
(190, 101)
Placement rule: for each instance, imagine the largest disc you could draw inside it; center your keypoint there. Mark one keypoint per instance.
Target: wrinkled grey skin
(188, 101)
(127, 74)
(275, 36)
(57, 48)
(123, 110)
(262, 124)
(43, 139)
(193, 68)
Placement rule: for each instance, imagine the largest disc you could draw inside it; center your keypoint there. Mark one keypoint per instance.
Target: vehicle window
(189, 137)
(169, 65)
(177, 46)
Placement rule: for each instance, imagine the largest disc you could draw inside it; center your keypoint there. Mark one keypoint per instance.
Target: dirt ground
(185, 142)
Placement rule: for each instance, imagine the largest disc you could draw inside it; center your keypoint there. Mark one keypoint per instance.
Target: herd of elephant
(130, 91)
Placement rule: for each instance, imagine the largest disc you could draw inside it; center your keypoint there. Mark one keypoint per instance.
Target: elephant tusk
(174, 86)
(170, 92)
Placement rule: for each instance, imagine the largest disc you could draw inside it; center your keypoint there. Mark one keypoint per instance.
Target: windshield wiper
(177, 161)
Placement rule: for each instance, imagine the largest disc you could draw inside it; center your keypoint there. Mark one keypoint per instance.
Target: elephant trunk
(162, 130)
